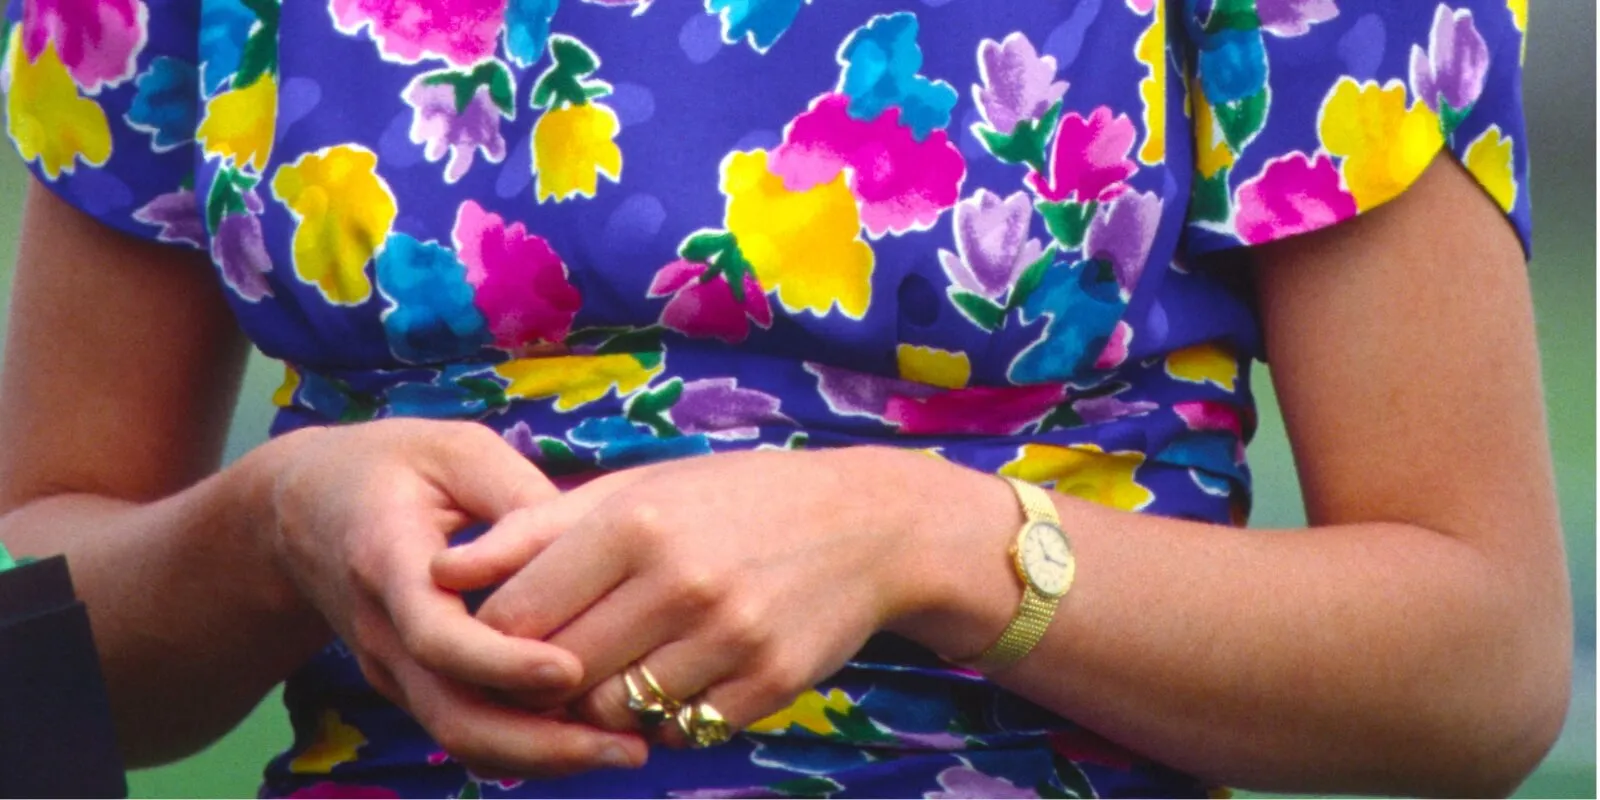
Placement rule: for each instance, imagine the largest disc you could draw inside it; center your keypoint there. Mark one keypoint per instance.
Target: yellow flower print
(809, 711)
(576, 380)
(1212, 154)
(933, 366)
(241, 123)
(806, 245)
(344, 211)
(1084, 471)
(1204, 363)
(1385, 145)
(336, 743)
(1151, 51)
(572, 147)
(46, 117)
(284, 396)
(1519, 17)
(1489, 159)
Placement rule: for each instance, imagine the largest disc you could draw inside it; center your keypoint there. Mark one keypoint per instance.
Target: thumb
(484, 474)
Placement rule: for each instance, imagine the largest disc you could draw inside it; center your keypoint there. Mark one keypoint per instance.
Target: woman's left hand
(737, 579)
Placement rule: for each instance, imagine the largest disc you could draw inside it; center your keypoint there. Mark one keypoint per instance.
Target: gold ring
(667, 700)
(703, 725)
(650, 711)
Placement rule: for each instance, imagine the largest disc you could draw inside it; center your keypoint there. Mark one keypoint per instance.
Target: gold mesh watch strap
(1035, 502)
(1033, 615)
(1025, 631)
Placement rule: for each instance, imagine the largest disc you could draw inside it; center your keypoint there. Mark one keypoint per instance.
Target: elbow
(1515, 716)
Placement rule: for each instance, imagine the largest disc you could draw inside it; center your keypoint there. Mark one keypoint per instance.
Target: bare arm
(121, 370)
(1417, 639)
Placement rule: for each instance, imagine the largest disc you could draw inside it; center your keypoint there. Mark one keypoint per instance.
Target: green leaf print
(227, 195)
(1241, 120)
(1026, 144)
(983, 312)
(1030, 278)
(260, 56)
(563, 82)
(809, 786)
(854, 725)
(493, 74)
(486, 390)
(1209, 200)
(649, 407)
(1451, 117)
(556, 457)
(1239, 15)
(1068, 221)
(638, 341)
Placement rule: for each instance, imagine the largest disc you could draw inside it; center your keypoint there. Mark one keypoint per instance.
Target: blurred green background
(1560, 97)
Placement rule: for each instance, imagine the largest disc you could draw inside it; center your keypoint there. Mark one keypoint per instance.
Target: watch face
(1046, 558)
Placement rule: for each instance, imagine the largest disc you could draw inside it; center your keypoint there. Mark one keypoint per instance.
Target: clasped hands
(736, 581)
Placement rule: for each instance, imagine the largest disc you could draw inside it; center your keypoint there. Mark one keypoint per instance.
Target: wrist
(954, 590)
(252, 491)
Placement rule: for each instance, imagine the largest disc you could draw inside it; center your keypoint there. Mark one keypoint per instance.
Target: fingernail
(551, 675)
(613, 755)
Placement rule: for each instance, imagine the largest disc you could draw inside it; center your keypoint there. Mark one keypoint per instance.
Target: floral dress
(1004, 232)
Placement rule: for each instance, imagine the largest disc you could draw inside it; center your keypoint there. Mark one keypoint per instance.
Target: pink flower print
(1115, 353)
(1453, 68)
(1090, 158)
(992, 244)
(1122, 233)
(1142, 7)
(461, 32)
(98, 40)
(1287, 18)
(1085, 747)
(520, 284)
(437, 123)
(1214, 417)
(1018, 83)
(902, 184)
(976, 410)
(1293, 194)
(709, 309)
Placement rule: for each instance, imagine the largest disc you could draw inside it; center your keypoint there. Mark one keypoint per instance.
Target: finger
(506, 741)
(634, 619)
(683, 669)
(436, 630)
(514, 540)
(567, 577)
(485, 474)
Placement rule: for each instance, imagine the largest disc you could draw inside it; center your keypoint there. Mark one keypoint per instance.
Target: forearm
(1362, 657)
(193, 620)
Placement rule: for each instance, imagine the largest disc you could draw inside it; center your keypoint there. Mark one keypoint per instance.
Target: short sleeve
(101, 100)
(1309, 112)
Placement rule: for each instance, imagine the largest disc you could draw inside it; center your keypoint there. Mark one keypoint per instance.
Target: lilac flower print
(1287, 18)
(1452, 70)
(720, 409)
(443, 124)
(178, 215)
(1122, 233)
(964, 781)
(992, 243)
(239, 251)
(1018, 83)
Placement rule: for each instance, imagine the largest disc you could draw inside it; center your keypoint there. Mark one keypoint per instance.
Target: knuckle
(694, 589)
(743, 627)
(645, 524)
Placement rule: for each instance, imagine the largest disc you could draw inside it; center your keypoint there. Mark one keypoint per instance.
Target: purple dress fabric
(622, 231)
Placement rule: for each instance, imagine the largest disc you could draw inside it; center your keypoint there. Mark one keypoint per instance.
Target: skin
(1417, 640)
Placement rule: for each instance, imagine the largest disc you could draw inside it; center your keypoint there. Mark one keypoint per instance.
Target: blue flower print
(164, 105)
(431, 317)
(1082, 303)
(881, 64)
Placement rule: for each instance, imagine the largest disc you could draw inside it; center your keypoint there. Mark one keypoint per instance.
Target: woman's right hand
(357, 514)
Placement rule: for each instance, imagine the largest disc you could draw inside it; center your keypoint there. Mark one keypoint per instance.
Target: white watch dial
(1046, 558)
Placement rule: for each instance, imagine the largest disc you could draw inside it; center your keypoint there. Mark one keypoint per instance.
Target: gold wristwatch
(1042, 556)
